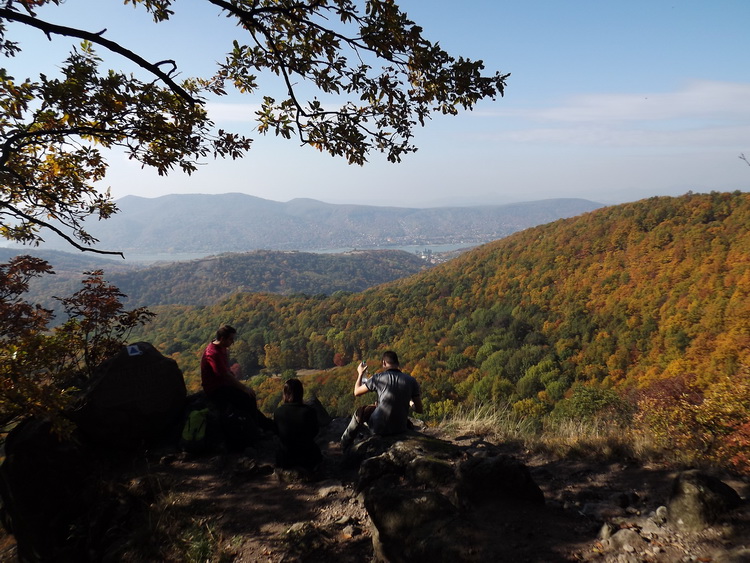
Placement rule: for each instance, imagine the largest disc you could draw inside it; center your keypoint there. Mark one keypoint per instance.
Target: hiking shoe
(346, 443)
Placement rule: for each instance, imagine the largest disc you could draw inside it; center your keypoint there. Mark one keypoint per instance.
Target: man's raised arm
(359, 388)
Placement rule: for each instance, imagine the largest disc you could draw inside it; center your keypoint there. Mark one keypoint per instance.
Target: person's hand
(362, 368)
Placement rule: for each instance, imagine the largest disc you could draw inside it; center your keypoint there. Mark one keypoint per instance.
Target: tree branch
(60, 233)
(50, 28)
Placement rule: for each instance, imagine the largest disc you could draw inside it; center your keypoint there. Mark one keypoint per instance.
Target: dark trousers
(360, 417)
(227, 398)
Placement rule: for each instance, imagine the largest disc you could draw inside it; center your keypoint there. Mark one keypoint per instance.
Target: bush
(457, 362)
(529, 385)
(589, 403)
(693, 425)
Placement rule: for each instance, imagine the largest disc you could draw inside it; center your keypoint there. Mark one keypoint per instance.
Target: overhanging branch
(96, 38)
(17, 212)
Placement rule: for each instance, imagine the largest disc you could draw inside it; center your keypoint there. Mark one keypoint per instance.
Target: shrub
(457, 362)
(588, 403)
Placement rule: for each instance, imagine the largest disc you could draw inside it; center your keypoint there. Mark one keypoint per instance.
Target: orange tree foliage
(622, 297)
(41, 370)
(692, 423)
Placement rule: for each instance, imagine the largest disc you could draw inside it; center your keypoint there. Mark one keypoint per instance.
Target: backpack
(195, 432)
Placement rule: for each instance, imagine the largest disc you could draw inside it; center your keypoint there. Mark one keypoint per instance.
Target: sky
(609, 101)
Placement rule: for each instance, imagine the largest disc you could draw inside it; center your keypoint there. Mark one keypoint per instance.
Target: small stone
(343, 520)
(606, 531)
(296, 527)
(627, 540)
(351, 531)
(661, 515)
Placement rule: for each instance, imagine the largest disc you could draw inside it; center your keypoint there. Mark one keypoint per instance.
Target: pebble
(661, 515)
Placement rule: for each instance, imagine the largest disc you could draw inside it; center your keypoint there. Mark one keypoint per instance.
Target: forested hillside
(68, 268)
(204, 281)
(641, 309)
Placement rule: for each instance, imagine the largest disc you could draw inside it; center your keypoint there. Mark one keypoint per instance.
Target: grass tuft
(596, 439)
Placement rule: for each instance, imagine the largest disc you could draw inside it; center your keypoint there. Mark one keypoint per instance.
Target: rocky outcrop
(66, 498)
(418, 491)
(700, 506)
(493, 479)
(412, 525)
(134, 398)
(699, 500)
(434, 500)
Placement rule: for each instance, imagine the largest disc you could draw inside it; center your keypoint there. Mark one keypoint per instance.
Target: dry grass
(491, 422)
(599, 439)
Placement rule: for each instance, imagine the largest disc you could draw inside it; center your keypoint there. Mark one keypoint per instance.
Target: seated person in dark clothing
(297, 425)
(223, 388)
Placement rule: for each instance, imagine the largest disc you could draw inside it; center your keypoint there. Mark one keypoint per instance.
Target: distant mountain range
(207, 280)
(238, 223)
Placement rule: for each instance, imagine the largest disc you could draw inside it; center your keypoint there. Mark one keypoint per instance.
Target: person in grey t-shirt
(397, 391)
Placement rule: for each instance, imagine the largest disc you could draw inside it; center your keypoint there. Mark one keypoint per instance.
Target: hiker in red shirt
(222, 387)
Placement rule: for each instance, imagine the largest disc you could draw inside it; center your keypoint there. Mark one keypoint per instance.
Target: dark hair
(225, 330)
(391, 358)
(293, 392)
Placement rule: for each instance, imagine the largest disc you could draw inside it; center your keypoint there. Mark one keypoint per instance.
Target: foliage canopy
(383, 76)
(41, 370)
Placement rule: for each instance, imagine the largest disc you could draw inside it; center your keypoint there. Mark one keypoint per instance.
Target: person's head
(390, 359)
(225, 335)
(293, 391)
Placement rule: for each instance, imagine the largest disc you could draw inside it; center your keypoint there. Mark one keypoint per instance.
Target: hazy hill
(67, 261)
(624, 290)
(68, 268)
(237, 222)
(625, 296)
(205, 281)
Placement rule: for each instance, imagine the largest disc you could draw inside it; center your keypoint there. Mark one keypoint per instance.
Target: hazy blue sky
(610, 101)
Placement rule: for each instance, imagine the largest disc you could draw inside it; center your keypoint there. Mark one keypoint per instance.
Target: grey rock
(661, 515)
(737, 555)
(430, 471)
(606, 531)
(378, 468)
(699, 500)
(411, 525)
(627, 540)
(496, 478)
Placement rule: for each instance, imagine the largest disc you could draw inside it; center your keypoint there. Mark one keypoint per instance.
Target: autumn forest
(638, 314)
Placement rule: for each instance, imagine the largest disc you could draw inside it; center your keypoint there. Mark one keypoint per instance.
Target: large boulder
(431, 500)
(59, 493)
(497, 478)
(411, 525)
(46, 485)
(136, 397)
(699, 500)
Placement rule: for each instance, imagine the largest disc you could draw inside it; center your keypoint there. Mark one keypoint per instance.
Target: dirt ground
(251, 513)
(260, 515)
